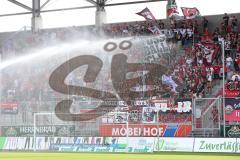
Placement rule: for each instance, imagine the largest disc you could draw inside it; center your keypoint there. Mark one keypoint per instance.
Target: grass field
(108, 156)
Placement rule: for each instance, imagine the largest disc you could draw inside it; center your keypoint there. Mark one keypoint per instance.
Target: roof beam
(15, 14)
(44, 4)
(92, 2)
(133, 2)
(67, 9)
(45, 11)
(82, 7)
(21, 5)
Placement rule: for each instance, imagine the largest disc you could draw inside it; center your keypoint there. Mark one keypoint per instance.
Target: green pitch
(108, 156)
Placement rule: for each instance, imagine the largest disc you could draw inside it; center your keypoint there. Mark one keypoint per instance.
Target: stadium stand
(197, 73)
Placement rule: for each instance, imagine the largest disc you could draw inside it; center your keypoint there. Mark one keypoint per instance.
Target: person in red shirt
(203, 70)
(216, 71)
(238, 49)
(229, 29)
(236, 63)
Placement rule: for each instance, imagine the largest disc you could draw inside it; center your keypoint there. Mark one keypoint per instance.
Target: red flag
(147, 14)
(190, 13)
(172, 11)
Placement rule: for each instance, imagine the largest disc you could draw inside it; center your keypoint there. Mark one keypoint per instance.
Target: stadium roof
(62, 13)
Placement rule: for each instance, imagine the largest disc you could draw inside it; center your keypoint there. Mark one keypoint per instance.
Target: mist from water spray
(46, 59)
(49, 58)
(47, 52)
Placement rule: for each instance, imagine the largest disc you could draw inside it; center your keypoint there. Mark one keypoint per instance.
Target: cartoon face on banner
(148, 114)
(232, 110)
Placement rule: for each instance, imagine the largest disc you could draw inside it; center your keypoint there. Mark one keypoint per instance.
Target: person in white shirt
(190, 32)
(209, 78)
(183, 32)
(229, 62)
(189, 61)
(167, 80)
(235, 77)
(229, 75)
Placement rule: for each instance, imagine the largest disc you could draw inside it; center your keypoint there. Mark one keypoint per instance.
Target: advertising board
(174, 144)
(216, 145)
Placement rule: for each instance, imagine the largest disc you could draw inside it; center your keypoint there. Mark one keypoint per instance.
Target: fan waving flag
(190, 13)
(147, 14)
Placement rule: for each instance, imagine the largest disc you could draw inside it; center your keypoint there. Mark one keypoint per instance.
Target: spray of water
(45, 53)
(25, 69)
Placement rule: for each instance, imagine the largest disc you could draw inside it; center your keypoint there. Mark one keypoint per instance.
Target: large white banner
(174, 144)
(216, 145)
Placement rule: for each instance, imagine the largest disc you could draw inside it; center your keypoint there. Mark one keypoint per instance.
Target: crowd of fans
(183, 118)
(194, 74)
(202, 64)
(229, 30)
